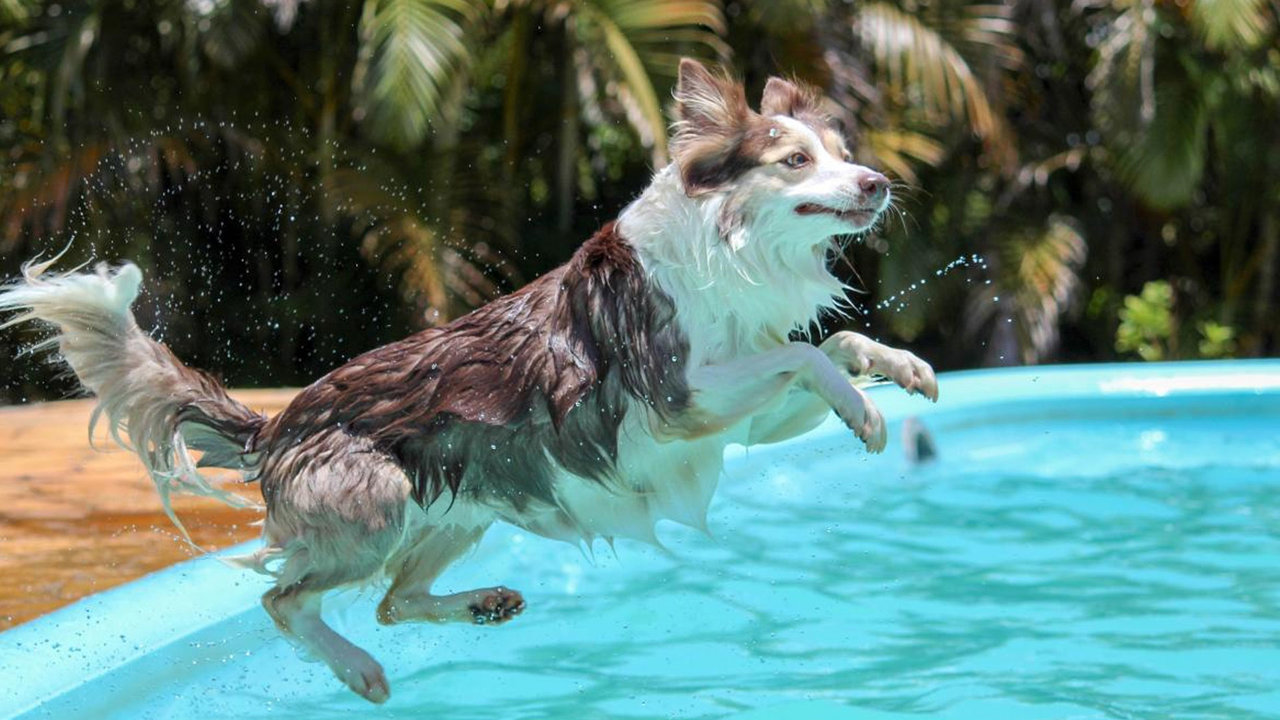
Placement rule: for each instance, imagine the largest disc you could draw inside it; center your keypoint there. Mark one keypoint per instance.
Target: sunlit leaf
(1123, 76)
(1227, 24)
(898, 151)
(639, 38)
(413, 48)
(12, 11)
(1036, 282)
(917, 62)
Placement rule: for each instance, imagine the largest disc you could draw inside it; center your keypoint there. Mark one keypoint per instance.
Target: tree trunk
(1263, 321)
(567, 162)
(514, 195)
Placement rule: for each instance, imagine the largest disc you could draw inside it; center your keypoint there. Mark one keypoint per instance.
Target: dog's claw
(865, 420)
(873, 434)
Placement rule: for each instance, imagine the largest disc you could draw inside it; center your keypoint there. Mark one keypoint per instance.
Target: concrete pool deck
(77, 519)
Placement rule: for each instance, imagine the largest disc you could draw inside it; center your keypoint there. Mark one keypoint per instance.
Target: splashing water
(897, 302)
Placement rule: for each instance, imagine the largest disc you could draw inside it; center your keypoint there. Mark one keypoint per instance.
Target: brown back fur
(483, 406)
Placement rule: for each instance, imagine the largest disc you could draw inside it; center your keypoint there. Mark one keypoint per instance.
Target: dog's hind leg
(417, 567)
(336, 512)
(296, 611)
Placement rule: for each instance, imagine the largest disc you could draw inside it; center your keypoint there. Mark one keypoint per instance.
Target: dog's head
(783, 174)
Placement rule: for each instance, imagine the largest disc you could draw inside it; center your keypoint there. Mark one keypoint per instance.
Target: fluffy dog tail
(162, 407)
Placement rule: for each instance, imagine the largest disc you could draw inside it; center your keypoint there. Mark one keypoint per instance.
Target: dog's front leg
(860, 355)
(727, 393)
(801, 412)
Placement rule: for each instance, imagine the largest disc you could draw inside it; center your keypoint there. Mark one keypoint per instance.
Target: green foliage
(1165, 163)
(1146, 323)
(1216, 340)
(400, 161)
(1149, 328)
(411, 50)
(918, 62)
(1036, 282)
(1232, 24)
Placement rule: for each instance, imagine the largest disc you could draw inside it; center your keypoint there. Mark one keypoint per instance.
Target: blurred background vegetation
(303, 180)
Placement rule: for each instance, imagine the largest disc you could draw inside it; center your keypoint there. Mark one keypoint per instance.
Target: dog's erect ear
(783, 97)
(708, 103)
(712, 120)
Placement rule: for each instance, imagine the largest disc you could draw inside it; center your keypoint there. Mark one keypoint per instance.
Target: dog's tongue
(813, 209)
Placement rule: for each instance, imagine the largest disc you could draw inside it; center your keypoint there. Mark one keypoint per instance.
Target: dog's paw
(364, 675)
(908, 371)
(860, 355)
(872, 432)
(862, 417)
(496, 606)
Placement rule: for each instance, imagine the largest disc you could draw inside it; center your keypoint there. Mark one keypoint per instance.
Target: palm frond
(991, 30)
(898, 151)
(1164, 163)
(232, 30)
(917, 62)
(1036, 282)
(1232, 24)
(639, 37)
(70, 69)
(1124, 70)
(638, 85)
(407, 248)
(412, 49)
(15, 11)
(435, 267)
(392, 236)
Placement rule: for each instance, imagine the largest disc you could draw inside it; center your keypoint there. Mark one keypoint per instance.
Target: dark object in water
(917, 442)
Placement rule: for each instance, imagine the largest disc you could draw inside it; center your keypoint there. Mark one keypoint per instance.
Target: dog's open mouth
(860, 218)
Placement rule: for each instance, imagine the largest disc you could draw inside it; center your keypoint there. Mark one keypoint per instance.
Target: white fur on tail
(145, 393)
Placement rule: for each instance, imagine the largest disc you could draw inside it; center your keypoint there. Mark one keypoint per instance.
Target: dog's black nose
(873, 185)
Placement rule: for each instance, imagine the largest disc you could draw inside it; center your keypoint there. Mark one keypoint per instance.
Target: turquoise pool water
(1095, 542)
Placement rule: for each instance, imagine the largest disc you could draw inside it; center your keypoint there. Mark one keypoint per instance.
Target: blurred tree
(211, 143)
(597, 63)
(1200, 145)
(925, 87)
(1141, 130)
(303, 180)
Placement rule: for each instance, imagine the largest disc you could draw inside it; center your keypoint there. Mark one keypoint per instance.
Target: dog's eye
(797, 160)
(846, 156)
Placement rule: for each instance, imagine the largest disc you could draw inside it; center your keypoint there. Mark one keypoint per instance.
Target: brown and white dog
(589, 404)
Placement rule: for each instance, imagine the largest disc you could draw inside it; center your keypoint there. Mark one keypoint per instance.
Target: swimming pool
(1092, 542)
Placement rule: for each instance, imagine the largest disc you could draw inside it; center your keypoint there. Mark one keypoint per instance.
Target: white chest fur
(734, 296)
(656, 480)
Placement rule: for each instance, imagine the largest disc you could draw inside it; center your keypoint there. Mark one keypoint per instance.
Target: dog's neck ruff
(733, 295)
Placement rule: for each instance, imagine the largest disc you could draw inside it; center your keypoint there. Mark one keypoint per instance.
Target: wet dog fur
(589, 404)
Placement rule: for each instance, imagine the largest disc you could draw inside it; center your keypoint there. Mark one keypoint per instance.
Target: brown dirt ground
(76, 520)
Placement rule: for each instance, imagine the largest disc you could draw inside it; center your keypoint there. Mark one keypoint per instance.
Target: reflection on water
(1126, 568)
